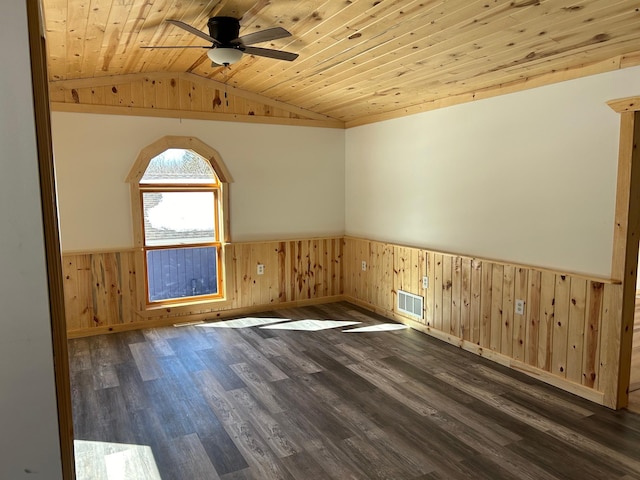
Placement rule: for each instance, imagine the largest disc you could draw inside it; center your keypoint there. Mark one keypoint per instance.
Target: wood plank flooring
(634, 381)
(267, 403)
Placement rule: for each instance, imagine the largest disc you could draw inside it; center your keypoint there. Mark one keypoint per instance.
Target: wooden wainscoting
(568, 336)
(563, 336)
(100, 287)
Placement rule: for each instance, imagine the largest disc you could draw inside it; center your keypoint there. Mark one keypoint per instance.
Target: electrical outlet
(364, 266)
(519, 307)
(260, 269)
(425, 282)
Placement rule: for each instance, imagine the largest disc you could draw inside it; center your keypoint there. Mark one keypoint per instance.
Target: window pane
(182, 272)
(175, 218)
(177, 165)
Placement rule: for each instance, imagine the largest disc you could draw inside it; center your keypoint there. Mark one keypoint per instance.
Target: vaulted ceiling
(359, 60)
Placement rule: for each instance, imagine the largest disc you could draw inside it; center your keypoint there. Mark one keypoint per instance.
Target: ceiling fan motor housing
(224, 29)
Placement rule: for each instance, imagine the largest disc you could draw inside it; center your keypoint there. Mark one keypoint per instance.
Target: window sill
(185, 308)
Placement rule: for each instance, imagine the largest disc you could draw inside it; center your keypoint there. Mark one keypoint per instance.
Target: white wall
(29, 445)
(288, 181)
(527, 177)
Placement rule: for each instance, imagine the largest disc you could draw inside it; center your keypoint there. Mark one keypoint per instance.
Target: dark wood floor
(634, 381)
(258, 403)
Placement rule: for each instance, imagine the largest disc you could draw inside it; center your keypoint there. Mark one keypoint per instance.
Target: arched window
(179, 192)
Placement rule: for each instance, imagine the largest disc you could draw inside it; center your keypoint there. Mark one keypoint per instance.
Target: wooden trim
(221, 188)
(584, 276)
(226, 218)
(337, 236)
(171, 141)
(226, 243)
(184, 307)
(184, 114)
(505, 360)
(629, 104)
(210, 316)
(42, 117)
(202, 81)
(624, 262)
(623, 195)
(66, 253)
(295, 239)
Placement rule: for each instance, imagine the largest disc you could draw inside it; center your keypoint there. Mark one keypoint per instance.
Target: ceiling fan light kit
(224, 56)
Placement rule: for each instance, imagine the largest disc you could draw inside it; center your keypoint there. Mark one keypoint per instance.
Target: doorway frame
(626, 236)
(53, 255)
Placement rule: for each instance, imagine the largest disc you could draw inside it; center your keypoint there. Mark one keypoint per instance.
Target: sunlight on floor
(310, 325)
(301, 325)
(114, 461)
(243, 322)
(381, 327)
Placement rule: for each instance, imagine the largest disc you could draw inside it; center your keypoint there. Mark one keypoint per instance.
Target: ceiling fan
(227, 47)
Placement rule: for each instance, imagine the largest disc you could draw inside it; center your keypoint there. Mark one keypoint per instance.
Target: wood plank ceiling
(359, 60)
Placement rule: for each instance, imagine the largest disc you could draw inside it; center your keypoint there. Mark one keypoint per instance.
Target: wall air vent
(410, 304)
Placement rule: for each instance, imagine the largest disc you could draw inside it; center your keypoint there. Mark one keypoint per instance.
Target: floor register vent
(410, 304)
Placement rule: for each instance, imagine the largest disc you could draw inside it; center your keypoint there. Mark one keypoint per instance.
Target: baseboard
(207, 317)
(542, 375)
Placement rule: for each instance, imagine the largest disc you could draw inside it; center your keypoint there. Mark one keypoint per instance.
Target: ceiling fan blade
(193, 30)
(264, 35)
(175, 46)
(269, 53)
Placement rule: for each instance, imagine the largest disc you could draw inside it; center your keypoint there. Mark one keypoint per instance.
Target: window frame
(216, 242)
(221, 210)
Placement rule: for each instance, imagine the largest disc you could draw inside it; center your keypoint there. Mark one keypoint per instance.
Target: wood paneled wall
(561, 337)
(100, 288)
(164, 93)
(568, 335)
(179, 95)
